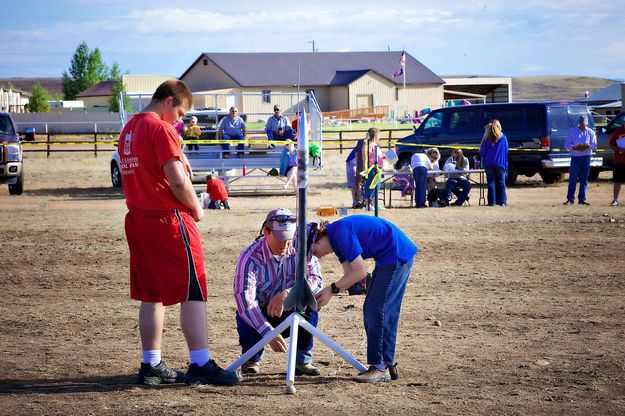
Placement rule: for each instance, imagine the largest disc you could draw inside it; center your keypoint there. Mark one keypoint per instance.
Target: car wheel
(116, 175)
(593, 175)
(550, 177)
(18, 188)
(511, 175)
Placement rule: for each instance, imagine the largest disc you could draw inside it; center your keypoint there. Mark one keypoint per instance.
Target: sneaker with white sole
(614, 203)
(159, 374)
(373, 375)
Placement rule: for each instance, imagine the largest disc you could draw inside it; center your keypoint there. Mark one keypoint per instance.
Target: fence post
(390, 136)
(95, 139)
(48, 142)
(340, 142)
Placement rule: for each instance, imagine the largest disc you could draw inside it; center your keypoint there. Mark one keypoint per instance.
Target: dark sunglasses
(284, 218)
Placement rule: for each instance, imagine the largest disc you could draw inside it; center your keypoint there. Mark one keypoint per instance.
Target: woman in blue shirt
(494, 154)
(356, 238)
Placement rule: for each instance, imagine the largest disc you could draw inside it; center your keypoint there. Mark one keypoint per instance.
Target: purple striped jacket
(259, 276)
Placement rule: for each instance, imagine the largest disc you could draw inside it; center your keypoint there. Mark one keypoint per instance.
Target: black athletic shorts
(619, 173)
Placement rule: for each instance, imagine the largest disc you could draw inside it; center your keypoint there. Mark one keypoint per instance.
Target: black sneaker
(159, 374)
(392, 369)
(211, 373)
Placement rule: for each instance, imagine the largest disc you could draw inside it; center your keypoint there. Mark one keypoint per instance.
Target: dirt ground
(530, 297)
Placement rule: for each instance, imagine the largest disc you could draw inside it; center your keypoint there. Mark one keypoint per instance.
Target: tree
(86, 69)
(39, 99)
(118, 88)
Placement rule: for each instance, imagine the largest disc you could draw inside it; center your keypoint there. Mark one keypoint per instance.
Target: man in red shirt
(617, 144)
(166, 258)
(216, 190)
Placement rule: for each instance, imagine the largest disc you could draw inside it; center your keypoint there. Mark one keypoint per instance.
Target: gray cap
(282, 223)
(583, 119)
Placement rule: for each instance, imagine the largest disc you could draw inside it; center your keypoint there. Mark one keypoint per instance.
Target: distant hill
(54, 86)
(555, 88)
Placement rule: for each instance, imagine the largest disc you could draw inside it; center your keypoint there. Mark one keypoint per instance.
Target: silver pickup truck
(11, 162)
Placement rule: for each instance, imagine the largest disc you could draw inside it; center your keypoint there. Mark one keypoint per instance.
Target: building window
(396, 93)
(205, 61)
(267, 96)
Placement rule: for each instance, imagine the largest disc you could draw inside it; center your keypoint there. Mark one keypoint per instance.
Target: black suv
(11, 170)
(536, 133)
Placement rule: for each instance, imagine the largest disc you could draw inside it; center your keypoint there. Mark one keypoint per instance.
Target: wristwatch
(335, 288)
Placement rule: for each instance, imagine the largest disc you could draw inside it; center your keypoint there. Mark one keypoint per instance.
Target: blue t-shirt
(369, 237)
(352, 155)
(232, 126)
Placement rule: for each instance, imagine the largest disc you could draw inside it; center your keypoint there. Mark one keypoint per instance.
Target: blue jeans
(226, 146)
(459, 187)
(496, 183)
(420, 175)
(580, 168)
(248, 336)
(288, 134)
(385, 292)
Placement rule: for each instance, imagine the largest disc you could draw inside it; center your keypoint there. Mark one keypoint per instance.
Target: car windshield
(6, 127)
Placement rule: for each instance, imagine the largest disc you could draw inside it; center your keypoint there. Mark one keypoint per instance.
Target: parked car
(11, 162)
(116, 172)
(536, 133)
(208, 120)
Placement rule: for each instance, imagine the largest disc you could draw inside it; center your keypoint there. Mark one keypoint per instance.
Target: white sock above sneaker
(152, 357)
(381, 367)
(199, 357)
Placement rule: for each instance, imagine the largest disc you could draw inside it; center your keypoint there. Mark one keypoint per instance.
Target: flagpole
(404, 74)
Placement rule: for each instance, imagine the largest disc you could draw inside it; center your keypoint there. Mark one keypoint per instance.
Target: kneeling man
(264, 274)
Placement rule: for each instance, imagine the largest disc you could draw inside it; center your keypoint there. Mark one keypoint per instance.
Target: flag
(402, 62)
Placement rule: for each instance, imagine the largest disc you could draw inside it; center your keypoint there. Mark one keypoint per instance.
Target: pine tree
(86, 70)
(39, 99)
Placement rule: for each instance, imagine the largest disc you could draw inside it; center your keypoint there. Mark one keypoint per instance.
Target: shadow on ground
(100, 193)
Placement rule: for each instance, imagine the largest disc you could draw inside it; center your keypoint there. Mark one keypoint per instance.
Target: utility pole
(313, 45)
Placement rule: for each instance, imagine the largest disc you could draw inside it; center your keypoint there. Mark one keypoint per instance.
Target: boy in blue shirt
(354, 239)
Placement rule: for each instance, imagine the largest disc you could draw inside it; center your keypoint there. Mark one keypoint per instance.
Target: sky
(504, 38)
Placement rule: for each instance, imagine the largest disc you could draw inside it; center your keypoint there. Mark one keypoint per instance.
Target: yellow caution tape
(376, 178)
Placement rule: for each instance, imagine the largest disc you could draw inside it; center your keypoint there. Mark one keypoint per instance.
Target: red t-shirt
(216, 189)
(619, 157)
(145, 144)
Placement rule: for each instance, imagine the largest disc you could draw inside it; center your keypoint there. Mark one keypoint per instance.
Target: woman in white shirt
(421, 163)
(458, 183)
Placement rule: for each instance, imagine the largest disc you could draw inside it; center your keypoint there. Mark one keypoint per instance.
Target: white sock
(152, 357)
(199, 357)
(381, 367)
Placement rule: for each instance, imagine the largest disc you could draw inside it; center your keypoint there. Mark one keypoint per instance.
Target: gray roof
(317, 69)
(607, 94)
(101, 89)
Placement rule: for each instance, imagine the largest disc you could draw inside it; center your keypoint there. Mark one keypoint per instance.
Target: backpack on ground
(438, 198)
